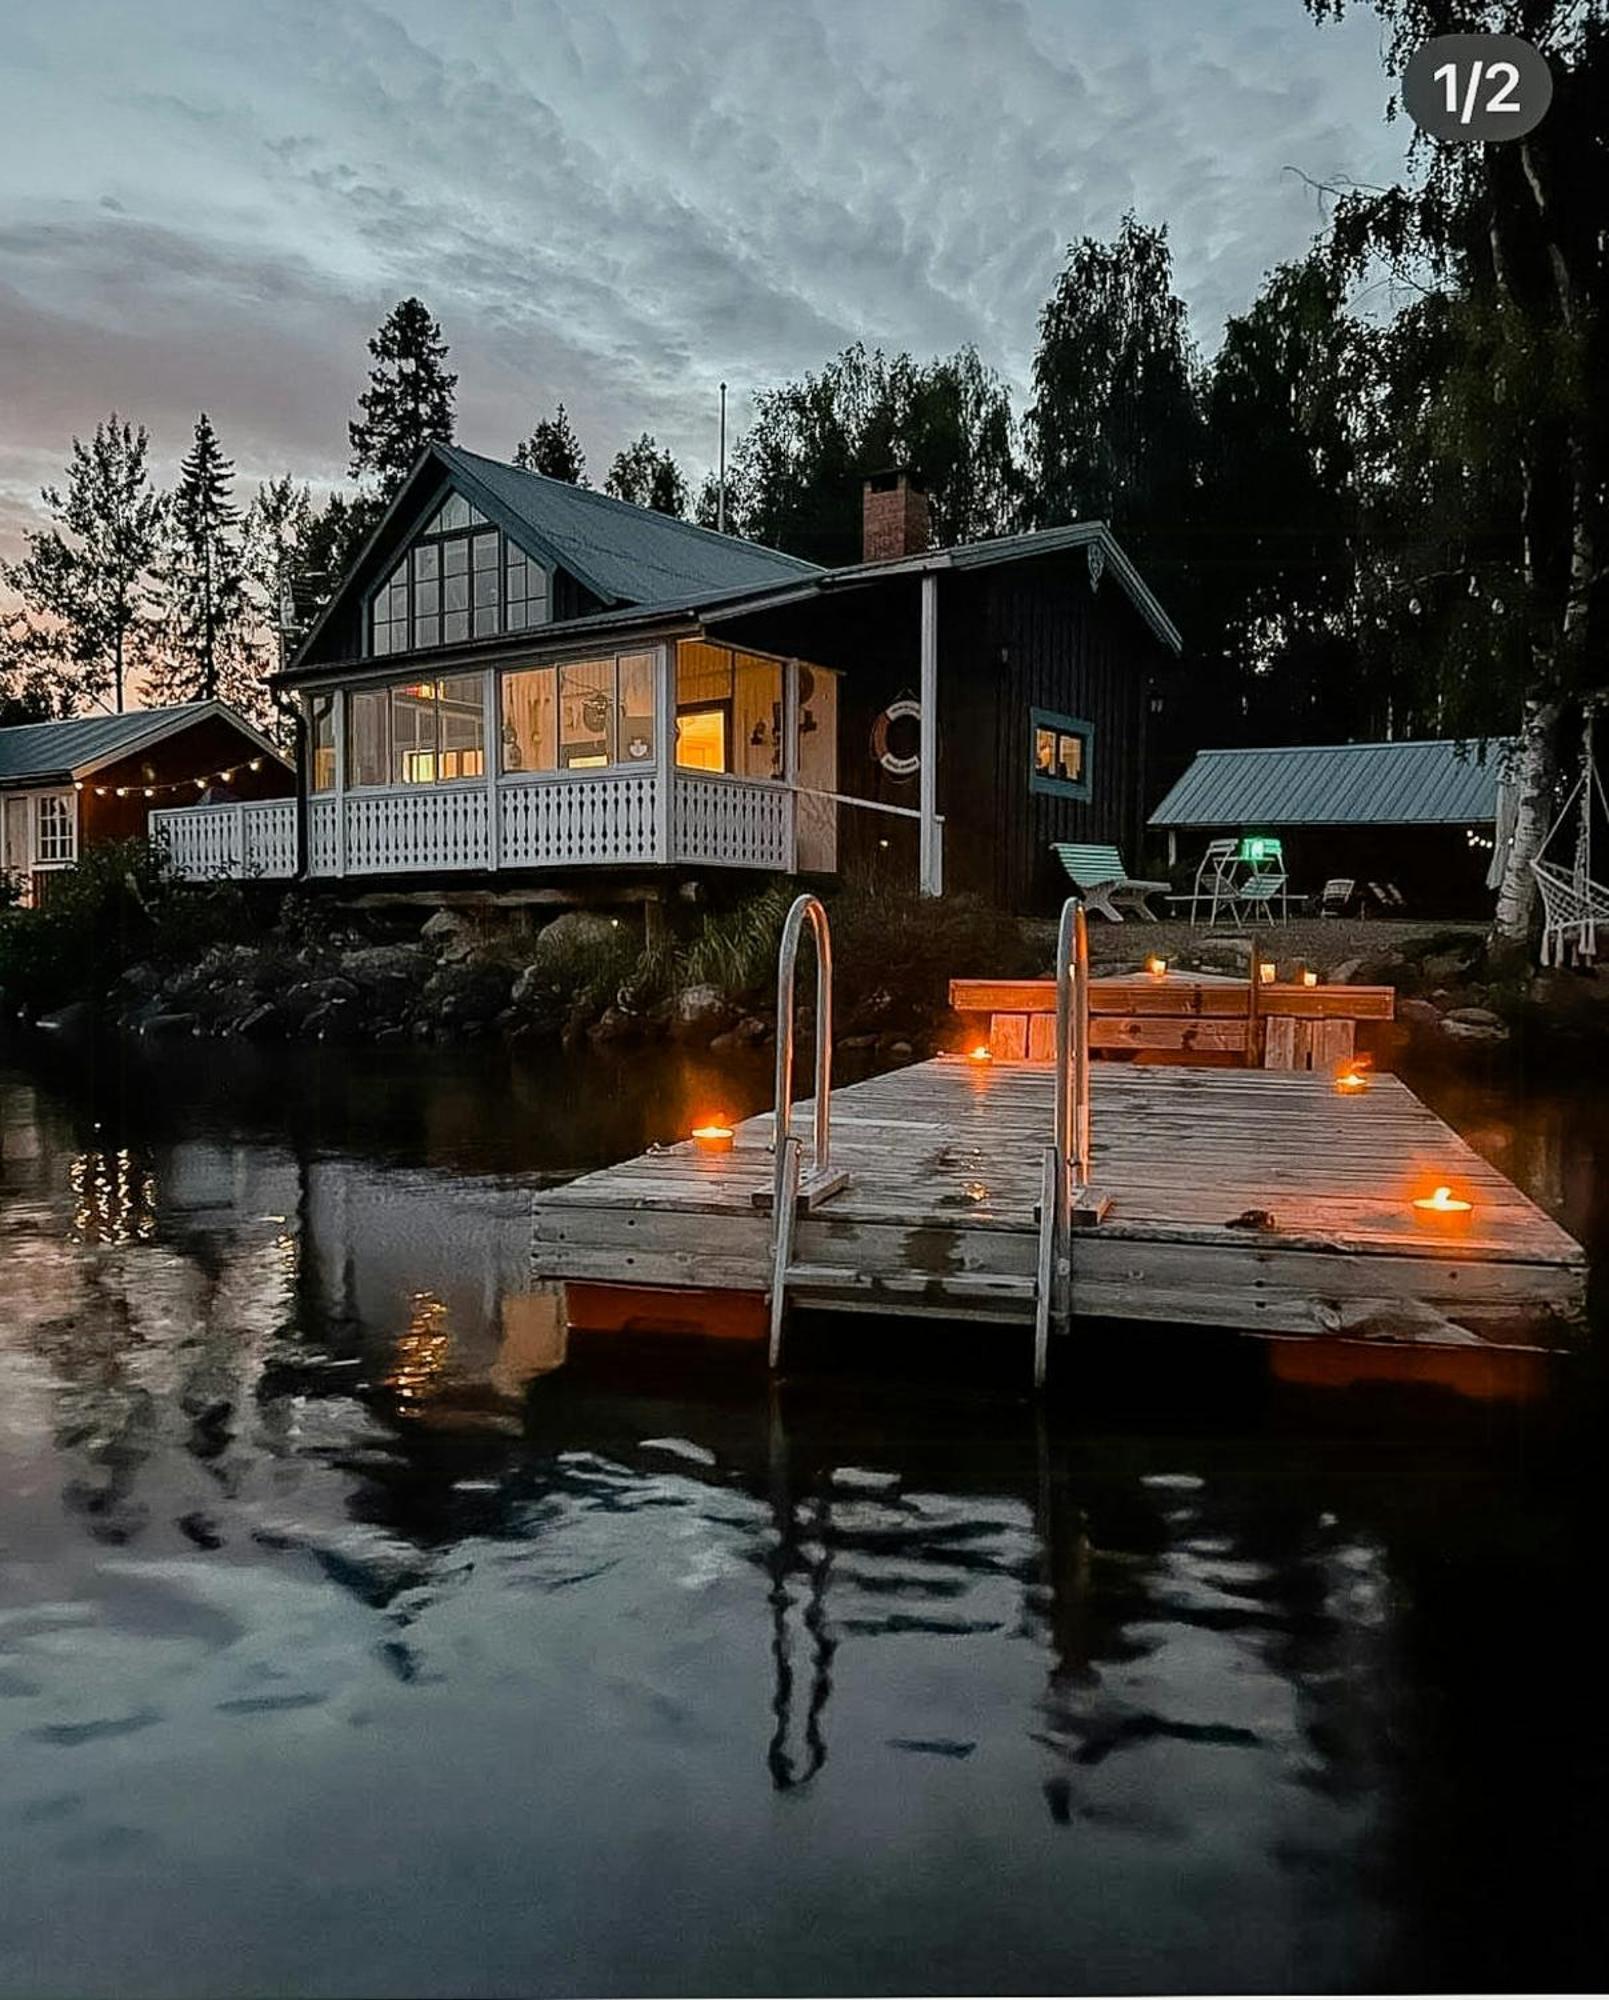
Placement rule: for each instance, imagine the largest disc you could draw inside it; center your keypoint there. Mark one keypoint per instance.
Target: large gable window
(462, 579)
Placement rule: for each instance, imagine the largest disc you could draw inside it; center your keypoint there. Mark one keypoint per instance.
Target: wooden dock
(1241, 1198)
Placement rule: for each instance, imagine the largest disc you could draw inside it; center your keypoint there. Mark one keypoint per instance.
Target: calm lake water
(356, 1639)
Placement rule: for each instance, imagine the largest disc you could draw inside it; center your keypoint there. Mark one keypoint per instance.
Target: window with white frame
(55, 828)
(461, 579)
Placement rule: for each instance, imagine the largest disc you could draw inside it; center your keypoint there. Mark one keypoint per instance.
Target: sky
(613, 203)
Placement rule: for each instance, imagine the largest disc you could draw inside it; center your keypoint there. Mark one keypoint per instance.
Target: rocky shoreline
(583, 980)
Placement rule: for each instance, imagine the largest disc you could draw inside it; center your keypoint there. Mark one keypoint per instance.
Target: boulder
(1475, 1024)
(443, 925)
(167, 1027)
(262, 1022)
(1346, 973)
(573, 932)
(615, 1025)
(458, 994)
(1422, 1013)
(697, 1012)
(69, 1022)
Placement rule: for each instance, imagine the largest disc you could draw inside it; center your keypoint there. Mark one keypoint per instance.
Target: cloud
(614, 202)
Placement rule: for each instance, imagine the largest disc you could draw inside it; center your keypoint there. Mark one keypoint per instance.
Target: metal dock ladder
(1064, 1173)
(793, 1188)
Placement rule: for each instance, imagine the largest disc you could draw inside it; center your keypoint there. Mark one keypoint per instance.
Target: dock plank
(944, 1160)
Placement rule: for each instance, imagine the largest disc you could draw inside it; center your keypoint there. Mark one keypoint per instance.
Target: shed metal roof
(1339, 784)
(53, 752)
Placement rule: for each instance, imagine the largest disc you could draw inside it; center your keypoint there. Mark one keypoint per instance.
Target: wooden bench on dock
(1205, 1019)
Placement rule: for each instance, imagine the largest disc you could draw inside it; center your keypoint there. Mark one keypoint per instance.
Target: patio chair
(1215, 882)
(1260, 892)
(1098, 874)
(1337, 896)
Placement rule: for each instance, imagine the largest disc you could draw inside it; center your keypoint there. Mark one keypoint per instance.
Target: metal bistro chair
(1215, 883)
(1260, 892)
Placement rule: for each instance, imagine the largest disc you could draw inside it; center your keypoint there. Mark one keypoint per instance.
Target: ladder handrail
(1066, 1176)
(809, 909)
(1072, 1050)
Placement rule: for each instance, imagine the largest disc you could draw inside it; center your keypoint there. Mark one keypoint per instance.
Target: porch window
(1061, 755)
(462, 579)
(583, 715)
(728, 710)
(417, 733)
(321, 743)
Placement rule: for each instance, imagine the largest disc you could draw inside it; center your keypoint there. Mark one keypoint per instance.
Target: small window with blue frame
(1061, 753)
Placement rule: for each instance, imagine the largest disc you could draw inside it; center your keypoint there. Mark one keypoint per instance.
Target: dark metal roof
(622, 552)
(53, 752)
(1339, 784)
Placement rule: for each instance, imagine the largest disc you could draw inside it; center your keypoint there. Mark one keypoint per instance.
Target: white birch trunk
(1533, 778)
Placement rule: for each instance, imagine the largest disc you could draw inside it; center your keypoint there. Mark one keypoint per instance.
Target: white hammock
(1573, 904)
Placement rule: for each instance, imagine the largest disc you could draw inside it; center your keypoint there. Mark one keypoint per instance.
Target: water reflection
(321, 1547)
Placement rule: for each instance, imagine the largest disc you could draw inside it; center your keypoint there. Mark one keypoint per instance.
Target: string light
(198, 783)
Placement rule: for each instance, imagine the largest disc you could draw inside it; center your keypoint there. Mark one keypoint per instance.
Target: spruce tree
(648, 477)
(409, 401)
(208, 641)
(79, 627)
(554, 450)
(278, 524)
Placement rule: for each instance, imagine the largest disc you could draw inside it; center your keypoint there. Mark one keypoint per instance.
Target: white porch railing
(230, 842)
(611, 819)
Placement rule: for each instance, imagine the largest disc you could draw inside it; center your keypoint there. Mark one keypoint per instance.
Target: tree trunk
(1532, 774)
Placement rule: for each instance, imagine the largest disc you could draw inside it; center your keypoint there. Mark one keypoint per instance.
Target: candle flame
(1156, 966)
(1443, 1202)
(981, 1054)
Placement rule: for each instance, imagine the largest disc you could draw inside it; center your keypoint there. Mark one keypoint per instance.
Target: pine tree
(79, 627)
(554, 450)
(278, 524)
(208, 642)
(648, 477)
(409, 401)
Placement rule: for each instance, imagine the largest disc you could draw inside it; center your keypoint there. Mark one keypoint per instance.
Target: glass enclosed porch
(689, 754)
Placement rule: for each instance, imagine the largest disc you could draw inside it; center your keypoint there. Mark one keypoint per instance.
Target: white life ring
(903, 710)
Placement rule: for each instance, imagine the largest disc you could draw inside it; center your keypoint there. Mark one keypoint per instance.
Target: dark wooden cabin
(528, 689)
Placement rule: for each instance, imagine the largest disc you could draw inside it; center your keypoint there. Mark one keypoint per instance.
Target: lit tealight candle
(1310, 979)
(1156, 966)
(1351, 1082)
(1265, 972)
(713, 1138)
(1443, 1210)
(981, 1054)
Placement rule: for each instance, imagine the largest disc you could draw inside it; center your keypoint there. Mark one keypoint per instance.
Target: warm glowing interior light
(1265, 972)
(1156, 966)
(1310, 979)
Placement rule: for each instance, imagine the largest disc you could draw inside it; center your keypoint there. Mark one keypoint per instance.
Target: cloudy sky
(211, 203)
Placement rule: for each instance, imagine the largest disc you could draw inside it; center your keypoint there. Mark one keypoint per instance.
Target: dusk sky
(613, 202)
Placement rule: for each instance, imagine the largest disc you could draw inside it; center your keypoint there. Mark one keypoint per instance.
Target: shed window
(1061, 755)
(55, 828)
(462, 579)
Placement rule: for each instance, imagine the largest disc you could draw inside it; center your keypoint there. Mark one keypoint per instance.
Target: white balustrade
(722, 822)
(251, 839)
(566, 822)
(604, 819)
(411, 828)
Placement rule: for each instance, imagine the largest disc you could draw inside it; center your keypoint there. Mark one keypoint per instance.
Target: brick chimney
(894, 517)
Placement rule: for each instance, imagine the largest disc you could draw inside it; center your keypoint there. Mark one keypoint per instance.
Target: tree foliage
(648, 477)
(796, 475)
(79, 626)
(554, 450)
(408, 403)
(209, 638)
